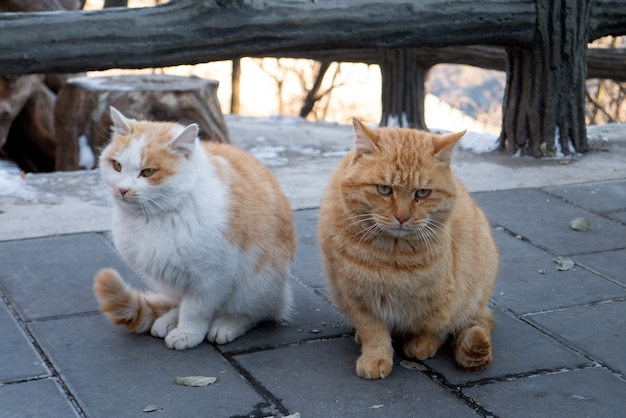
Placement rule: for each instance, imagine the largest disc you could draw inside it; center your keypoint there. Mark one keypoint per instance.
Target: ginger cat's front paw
(422, 347)
(373, 368)
(472, 348)
(182, 340)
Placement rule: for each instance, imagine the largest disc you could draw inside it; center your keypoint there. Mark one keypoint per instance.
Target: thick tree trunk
(14, 93)
(546, 84)
(403, 89)
(31, 142)
(82, 109)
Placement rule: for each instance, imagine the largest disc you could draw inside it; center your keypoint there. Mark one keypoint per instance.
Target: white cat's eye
(422, 193)
(147, 172)
(116, 166)
(384, 190)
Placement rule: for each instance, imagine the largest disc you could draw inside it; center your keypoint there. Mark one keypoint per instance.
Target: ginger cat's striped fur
(205, 224)
(407, 252)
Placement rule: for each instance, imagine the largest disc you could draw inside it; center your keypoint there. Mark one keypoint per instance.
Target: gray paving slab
(307, 265)
(318, 379)
(112, 373)
(578, 393)
(311, 318)
(609, 263)
(36, 398)
(529, 280)
(599, 330)
(545, 219)
(18, 358)
(47, 277)
(517, 349)
(599, 196)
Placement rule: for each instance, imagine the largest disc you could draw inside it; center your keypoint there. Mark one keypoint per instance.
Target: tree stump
(82, 109)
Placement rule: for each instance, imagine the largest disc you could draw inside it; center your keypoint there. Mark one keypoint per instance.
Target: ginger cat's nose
(401, 217)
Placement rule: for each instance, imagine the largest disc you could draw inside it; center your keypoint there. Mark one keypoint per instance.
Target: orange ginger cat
(407, 252)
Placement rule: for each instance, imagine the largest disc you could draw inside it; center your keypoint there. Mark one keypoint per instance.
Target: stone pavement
(559, 343)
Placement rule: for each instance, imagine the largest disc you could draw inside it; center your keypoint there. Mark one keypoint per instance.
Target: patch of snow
(335, 153)
(479, 142)
(440, 115)
(12, 182)
(306, 150)
(86, 157)
(268, 152)
(608, 132)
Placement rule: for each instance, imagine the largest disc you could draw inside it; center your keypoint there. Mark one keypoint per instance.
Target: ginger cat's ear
(121, 124)
(185, 142)
(444, 146)
(364, 139)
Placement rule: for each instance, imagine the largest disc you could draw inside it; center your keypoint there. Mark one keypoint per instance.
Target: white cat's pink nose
(123, 191)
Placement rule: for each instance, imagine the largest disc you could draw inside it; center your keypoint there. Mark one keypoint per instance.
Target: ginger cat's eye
(116, 166)
(147, 172)
(422, 193)
(384, 190)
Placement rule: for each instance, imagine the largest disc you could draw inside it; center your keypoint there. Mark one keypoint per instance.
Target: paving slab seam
(256, 385)
(52, 370)
(527, 240)
(559, 309)
(535, 373)
(62, 317)
(269, 347)
(456, 391)
(564, 308)
(602, 214)
(600, 274)
(573, 347)
(527, 319)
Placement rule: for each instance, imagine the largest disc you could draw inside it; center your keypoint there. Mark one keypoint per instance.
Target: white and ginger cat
(205, 224)
(407, 252)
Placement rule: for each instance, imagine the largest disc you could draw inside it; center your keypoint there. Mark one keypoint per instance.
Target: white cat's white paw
(225, 329)
(163, 324)
(182, 340)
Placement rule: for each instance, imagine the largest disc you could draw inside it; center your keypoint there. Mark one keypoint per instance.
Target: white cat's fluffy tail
(134, 310)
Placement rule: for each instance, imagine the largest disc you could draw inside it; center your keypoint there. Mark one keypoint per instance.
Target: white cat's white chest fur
(182, 248)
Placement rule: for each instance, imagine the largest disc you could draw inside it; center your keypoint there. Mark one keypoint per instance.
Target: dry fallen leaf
(413, 366)
(563, 264)
(376, 406)
(195, 381)
(150, 408)
(579, 224)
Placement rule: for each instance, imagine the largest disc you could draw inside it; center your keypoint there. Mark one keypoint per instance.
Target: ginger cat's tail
(134, 310)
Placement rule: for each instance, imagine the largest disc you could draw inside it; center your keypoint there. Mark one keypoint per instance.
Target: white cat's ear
(363, 138)
(121, 124)
(185, 142)
(444, 146)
